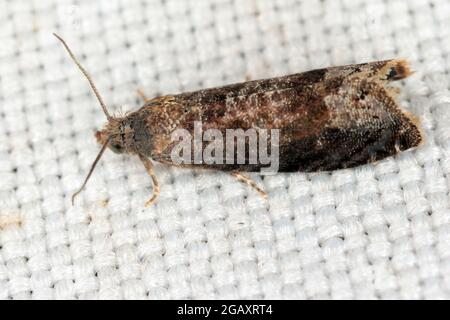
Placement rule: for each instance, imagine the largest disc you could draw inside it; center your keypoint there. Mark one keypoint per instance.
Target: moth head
(118, 135)
(113, 142)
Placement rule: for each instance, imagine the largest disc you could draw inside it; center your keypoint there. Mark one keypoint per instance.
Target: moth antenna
(90, 171)
(86, 74)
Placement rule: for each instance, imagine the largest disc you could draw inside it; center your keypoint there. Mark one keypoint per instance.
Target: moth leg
(155, 184)
(249, 182)
(142, 95)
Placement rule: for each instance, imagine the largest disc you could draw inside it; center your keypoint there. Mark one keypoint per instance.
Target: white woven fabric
(379, 231)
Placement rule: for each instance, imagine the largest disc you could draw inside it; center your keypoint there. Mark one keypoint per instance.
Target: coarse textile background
(379, 231)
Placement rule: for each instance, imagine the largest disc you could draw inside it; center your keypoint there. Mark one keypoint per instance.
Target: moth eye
(117, 148)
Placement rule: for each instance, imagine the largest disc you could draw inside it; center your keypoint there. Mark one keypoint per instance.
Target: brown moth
(331, 118)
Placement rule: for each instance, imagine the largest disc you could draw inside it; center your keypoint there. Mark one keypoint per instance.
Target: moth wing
(327, 119)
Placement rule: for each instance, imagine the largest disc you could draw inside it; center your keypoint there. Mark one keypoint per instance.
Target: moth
(328, 119)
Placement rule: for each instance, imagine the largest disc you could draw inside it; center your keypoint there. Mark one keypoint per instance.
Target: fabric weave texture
(379, 231)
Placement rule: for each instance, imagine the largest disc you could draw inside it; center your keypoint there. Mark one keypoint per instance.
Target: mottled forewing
(328, 119)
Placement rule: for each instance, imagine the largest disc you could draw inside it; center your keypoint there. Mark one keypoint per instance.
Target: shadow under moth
(328, 119)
